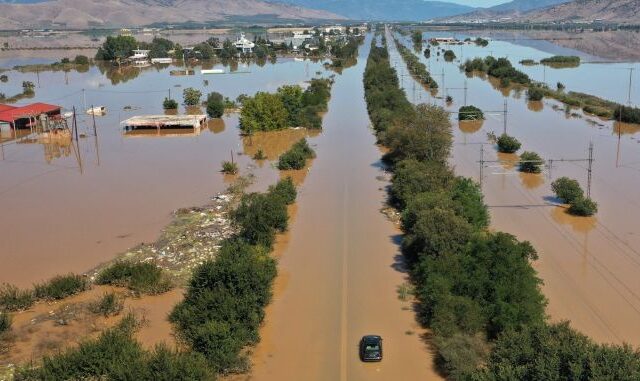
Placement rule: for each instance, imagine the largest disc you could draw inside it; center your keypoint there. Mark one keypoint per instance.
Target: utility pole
(481, 164)
(589, 170)
(84, 102)
(465, 92)
(505, 117)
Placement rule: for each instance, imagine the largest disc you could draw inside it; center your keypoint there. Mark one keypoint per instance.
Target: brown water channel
(68, 207)
(339, 264)
(590, 266)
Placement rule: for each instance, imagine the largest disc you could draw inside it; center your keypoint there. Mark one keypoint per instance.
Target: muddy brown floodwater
(589, 266)
(69, 206)
(339, 265)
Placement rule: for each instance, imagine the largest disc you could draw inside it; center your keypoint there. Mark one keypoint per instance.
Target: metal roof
(10, 114)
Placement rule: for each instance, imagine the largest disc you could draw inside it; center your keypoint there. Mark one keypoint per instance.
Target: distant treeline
(417, 69)
(502, 69)
(477, 289)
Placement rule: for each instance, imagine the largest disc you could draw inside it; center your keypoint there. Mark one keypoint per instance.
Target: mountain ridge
(386, 10)
(127, 13)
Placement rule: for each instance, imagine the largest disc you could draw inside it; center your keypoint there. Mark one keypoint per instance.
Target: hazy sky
(478, 3)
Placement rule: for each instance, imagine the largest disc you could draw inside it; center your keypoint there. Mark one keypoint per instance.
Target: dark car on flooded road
(371, 348)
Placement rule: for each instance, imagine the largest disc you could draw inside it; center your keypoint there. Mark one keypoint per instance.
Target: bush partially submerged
(470, 113)
(583, 207)
(169, 104)
(531, 162)
(535, 93)
(109, 304)
(5, 323)
(296, 157)
(141, 277)
(508, 144)
(229, 168)
(61, 286)
(566, 189)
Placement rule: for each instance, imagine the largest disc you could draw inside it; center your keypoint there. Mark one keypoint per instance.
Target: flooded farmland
(69, 207)
(589, 265)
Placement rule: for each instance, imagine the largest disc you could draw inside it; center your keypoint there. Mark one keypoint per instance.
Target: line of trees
(290, 106)
(417, 69)
(476, 288)
(502, 69)
(224, 302)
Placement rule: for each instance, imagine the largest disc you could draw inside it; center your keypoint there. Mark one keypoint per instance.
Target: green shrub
(224, 304)
(461, 354)
(61, 287)
(470, 113)
(530, 162)
(561, 61)
(169, 104)
(567, 189)
(508, 144)
(215, 105)
(583, 206)
(296, 157)
(528, 62)
(140, 277)
(260, 217)
(449, 55)
(481, 42)
(263, 112)
(557, 352)
(412, 177)
(259, 155)
(81, 60)
(191, 96)
(627, 114)
(285, 190)
(5, 323)
(116, 355)
(535, 93)
(109, 304)
(14, 299)
(229, 168)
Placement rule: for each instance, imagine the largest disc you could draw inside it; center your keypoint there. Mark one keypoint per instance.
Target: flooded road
(340, 265)
(68, 207)
(589, 266)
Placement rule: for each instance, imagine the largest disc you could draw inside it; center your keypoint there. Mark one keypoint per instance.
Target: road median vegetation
(476, 288)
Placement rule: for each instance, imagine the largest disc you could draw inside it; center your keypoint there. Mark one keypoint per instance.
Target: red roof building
(21, 117)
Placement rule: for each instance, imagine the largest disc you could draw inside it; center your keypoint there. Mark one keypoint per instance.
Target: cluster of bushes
(140, 277)
(570, 192)
(500, 68)
(169, 104)
(561, 61)
(296, 157)
(290, 106)
(416, 37)
(481, 42)
(535, 93)
(470, 113)
(116, 355)
(59, 287)
(507, 144)
(627, 114)
(224, 302)
(191, 96)
(449, 55)
(477, 289)
(530, 162)
(417, 69)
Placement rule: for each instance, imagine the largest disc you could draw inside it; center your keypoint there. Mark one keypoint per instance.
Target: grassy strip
(224, 303)
(140, 277)
(417, 69)
(477, 290)
(116, 355)
(59, 287)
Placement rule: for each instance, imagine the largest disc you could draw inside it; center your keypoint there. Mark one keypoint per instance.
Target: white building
(244, 45)
(140, 56)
